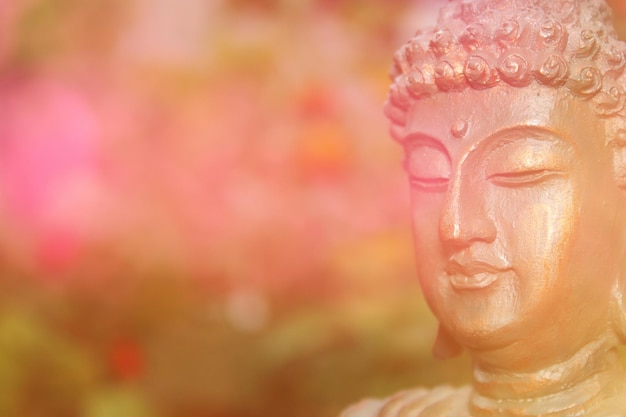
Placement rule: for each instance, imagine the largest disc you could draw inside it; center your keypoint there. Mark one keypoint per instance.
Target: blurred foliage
(169, 348)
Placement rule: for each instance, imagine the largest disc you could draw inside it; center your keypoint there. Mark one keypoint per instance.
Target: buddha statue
(511, 114)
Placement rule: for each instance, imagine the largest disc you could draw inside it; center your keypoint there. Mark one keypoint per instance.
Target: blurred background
(201, 212)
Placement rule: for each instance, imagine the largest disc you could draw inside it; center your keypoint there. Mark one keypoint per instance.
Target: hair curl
(483, 43)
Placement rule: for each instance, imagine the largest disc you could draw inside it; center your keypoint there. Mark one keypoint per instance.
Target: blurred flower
(126, 359)
(50, 167)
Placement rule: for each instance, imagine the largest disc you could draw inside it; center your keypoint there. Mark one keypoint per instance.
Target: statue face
(517, 217)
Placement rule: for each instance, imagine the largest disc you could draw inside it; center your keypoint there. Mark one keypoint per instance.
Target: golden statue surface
(513, 121)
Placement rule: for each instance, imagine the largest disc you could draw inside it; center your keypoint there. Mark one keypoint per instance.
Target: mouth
(473, 275)
(473, 282)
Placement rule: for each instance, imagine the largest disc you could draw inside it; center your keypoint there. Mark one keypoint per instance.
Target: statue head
(512, 116)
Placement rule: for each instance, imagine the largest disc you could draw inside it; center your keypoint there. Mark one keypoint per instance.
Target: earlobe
(618, 313)
(445, 346)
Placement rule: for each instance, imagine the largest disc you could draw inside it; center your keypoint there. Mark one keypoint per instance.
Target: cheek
(598, 244)
(426, 210)
(536, 227)
(425, 213)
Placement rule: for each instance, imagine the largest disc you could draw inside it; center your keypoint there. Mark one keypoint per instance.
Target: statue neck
(592, 376)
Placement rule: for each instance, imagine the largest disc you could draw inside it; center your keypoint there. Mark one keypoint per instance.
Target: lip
(473, 282)
(473, 275)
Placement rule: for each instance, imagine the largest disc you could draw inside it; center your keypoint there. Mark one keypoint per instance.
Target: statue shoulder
(440, 401)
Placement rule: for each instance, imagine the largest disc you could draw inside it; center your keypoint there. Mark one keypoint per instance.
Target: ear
(445, 346)
(618, 146)
(618, 313)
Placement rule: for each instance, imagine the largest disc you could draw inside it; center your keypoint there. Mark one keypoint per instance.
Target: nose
(465, 215)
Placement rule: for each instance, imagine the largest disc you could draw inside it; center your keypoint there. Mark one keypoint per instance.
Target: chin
(483, 331)
(489, 316)
(485, 338)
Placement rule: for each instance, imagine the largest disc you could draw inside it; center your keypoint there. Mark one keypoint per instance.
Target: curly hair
(483, 43)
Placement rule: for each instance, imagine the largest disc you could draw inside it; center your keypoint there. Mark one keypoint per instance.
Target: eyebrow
(419, 138)
(509, 135)
(498, 138)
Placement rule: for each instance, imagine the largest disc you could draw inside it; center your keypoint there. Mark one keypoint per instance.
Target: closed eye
(429, 184)
(524, 178)
(428, 165)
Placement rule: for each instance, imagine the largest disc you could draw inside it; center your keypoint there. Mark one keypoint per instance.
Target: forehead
(487, 112)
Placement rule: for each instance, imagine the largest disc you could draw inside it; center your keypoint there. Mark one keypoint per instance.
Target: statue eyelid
(525, 178)
(428, 165)
(426, 158)
(425, 182)
(527, 161)
(429, 184)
